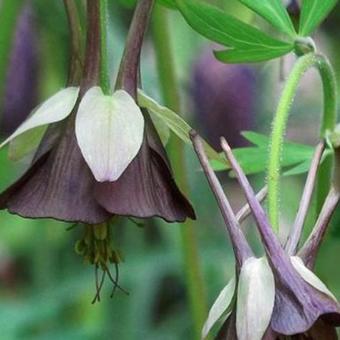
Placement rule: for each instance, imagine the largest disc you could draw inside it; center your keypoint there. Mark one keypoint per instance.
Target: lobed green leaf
(313, 12)
(254, 159)
(274, 12)
(220, 27)
(252, 55)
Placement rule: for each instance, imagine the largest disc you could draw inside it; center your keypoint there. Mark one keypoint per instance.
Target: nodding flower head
(275, 295)
(100, 155)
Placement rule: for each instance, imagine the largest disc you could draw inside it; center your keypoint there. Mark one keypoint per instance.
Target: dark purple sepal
(298, 306)
(320, 330)
(147, 187)
(58, 185)
(228, 329)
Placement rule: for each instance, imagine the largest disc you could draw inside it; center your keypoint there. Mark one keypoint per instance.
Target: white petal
(255, 299)
(54, 109)
(220, 305)
(109, 131)
(310, 277)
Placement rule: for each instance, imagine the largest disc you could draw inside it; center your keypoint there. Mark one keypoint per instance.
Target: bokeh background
(45, 288)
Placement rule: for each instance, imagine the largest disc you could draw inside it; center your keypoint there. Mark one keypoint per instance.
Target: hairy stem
(280, 121)
(194, 279)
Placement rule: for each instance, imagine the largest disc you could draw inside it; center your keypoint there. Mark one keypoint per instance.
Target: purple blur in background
(20, 95)
(223, 98)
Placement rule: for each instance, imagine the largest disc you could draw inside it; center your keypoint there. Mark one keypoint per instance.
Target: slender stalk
(76, 58)
(328, 122)
(245, 211)
(240, 245)
(127, 78)
(92, 54)
(166, 71)
(104, 72)
(280, 121)
(269, 239)
(312, 245)
(305, 201)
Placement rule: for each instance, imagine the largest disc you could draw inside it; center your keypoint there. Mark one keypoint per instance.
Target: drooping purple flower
(298, 304)
(223, 98)
(22, 74)
(303, 306)
(64, 182)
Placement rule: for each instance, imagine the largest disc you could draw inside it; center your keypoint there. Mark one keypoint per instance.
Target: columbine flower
(278, 297)
(99, 157)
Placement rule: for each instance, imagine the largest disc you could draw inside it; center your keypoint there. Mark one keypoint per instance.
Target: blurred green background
(45, 288)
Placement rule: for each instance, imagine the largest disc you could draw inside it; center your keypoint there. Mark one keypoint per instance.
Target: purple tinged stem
(272, 244)
(295, 234)
(311, 247)
(240, 245)
(245, 211)
(129, 68)
(75, 67)
(92, 54)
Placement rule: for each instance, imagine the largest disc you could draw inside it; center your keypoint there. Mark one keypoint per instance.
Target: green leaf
(168, 3)
(313, 12)
(175, 123)
(274, 12)
(299, 169)
(162, 129)
(218, 26)
(252, 55)
(132, 3)
(254, 159)
(256, 138)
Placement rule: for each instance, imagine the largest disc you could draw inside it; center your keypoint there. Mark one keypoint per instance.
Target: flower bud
(224, 99)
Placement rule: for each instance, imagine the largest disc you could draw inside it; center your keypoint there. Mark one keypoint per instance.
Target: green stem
(280, 121)
(169, 88)
(328, 124)
(104, 72)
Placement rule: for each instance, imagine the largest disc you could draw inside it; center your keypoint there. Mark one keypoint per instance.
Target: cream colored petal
(109, 131)
(54, 109)
(255, 299)
(220, 306)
